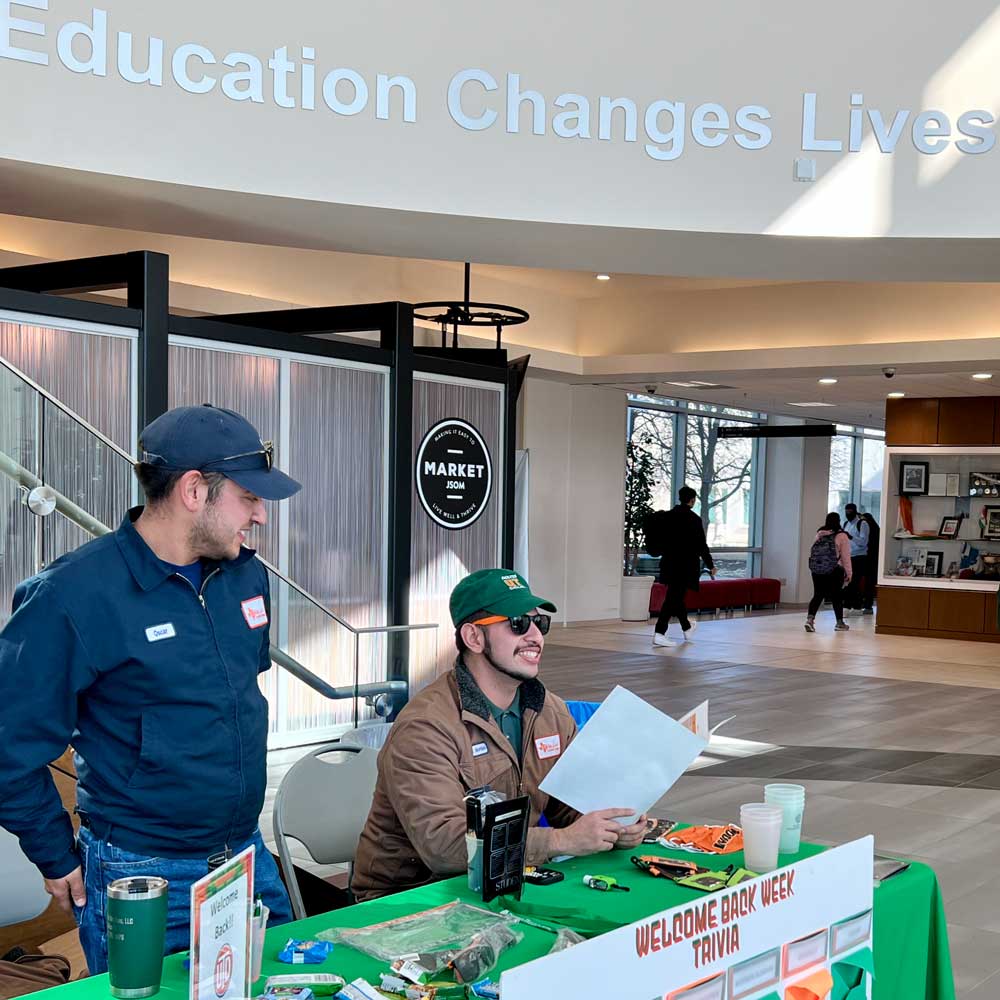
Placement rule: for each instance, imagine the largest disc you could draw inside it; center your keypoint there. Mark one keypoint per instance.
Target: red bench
(753, 592)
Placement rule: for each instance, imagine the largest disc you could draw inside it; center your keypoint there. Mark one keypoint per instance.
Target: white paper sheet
(627, 756)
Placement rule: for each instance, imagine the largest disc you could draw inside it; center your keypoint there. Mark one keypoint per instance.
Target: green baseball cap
(499, 591)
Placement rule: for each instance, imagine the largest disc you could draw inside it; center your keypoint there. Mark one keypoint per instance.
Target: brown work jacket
(445, 743)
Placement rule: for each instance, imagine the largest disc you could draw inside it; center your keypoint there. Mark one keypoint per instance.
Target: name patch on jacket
(478, 749)
(254, 611)
(548, 746)
(157, 632)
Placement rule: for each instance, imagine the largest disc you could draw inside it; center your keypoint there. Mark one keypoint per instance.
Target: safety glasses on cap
(519, 624)
(267, 450)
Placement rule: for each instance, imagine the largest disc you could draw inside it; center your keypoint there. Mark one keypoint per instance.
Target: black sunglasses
(519, 624)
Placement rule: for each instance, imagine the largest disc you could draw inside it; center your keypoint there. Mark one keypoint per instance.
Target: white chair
(323, 804)
(23, 896)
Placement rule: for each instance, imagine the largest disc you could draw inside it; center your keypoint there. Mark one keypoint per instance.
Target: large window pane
(720, 470)
(841, 471)
(653, 430)
(872, 460)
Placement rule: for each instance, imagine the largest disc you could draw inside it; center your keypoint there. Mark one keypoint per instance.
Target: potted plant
(639, 482)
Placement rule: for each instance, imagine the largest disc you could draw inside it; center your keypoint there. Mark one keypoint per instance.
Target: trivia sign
(221, 938)
(800, 932)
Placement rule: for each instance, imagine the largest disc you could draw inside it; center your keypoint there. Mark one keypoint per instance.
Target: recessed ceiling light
(983, 376)
(603, 277)
(828, 381)
(810, 404)
(895, 395)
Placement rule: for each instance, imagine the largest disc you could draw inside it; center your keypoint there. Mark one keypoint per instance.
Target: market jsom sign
(454, 474)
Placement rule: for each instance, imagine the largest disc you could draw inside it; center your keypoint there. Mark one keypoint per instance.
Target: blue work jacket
(155, 686)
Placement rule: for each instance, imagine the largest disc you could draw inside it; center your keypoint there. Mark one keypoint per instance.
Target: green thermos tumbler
(137, 927)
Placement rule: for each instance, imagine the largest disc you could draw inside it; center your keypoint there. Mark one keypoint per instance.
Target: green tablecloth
(912, 961)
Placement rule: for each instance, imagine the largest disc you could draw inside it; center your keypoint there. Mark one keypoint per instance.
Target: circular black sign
(454, 474)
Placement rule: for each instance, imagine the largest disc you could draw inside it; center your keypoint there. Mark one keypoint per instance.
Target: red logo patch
(223, 970)
(254, 611)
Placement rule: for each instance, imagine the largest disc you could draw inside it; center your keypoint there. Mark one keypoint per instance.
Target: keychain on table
(604, 883)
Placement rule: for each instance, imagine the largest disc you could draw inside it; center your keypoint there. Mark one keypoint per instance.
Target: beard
(507, 671)
(208, 538)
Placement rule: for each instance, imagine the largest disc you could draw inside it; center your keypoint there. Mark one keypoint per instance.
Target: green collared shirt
(509, 721)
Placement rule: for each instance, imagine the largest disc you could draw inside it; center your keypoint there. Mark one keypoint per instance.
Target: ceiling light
(603, 277)
(811, 404)
(895, 395)
(685, 385)
(828, 381)
(983, 376)
(710, 385)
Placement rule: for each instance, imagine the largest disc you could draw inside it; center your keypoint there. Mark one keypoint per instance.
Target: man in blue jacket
(142, 650)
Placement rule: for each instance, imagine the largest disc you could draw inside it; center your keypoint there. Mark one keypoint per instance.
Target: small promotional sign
(221, 941)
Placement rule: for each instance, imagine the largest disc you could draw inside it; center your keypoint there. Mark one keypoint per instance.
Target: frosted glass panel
(441, 557)
(91, 374)
(336, 546)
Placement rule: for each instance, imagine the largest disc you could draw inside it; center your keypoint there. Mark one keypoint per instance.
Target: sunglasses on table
(519, 624)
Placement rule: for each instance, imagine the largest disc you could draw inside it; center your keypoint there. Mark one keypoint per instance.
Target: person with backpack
(830, 565)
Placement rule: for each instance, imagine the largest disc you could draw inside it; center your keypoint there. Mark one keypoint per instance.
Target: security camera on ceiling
(889, 372)
(651, 390)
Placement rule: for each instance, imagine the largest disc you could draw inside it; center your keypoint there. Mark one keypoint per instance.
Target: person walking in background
(684, 549)
(871, 567)
(857, 531)
(831, 568)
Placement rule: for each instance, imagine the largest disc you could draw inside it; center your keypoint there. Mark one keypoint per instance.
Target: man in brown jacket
(489, 721)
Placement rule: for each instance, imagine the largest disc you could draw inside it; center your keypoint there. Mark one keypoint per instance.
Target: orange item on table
(707, 839)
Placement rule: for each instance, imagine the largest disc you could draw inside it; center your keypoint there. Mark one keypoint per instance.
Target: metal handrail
(93, 526)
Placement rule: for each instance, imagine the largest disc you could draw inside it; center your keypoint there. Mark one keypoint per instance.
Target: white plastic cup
(792, 799)
(761, 835)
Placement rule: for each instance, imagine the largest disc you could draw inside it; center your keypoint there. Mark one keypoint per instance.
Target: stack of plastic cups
(792, 799)
(761, 834)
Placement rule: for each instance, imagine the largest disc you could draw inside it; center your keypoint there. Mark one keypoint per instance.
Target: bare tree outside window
(656, 431)
(719, 470)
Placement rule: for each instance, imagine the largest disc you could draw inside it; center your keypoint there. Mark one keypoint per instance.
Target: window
(857, 457)
(683, 439)
(654, 431)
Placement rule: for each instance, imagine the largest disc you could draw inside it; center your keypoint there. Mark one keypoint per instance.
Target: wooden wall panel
(967, 420)
(957, 611)
(903, 607)
(911, 421)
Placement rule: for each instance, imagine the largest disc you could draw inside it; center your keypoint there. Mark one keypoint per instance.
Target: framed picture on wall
(913, 478)
(950, 526)
(933, 563)
(991, 522)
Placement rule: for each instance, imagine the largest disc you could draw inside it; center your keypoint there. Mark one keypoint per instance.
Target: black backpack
(823, 557)
(654, 531)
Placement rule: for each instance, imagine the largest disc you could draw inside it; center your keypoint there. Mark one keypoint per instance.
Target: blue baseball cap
(212, 439)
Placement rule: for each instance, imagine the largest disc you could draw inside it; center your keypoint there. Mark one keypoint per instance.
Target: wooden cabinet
(956, 611)
(911, 421)
(967, 420)
(990, 624)
(903, 607)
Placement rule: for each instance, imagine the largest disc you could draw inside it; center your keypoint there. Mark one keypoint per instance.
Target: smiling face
(222, 526)
(514, 656)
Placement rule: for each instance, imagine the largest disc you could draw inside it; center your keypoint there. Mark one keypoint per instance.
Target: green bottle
(137, 928)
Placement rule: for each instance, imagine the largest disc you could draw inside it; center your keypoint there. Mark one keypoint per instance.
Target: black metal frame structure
(49, 289)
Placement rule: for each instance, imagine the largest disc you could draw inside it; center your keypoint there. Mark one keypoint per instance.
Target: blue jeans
(102, 863)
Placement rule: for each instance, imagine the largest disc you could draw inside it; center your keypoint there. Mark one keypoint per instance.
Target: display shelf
(925, 513)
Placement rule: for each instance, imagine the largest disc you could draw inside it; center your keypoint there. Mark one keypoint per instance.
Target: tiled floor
(892, 736)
